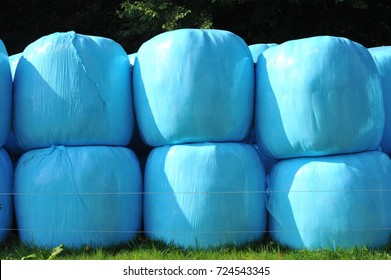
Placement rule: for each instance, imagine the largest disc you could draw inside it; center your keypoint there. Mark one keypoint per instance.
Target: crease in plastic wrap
(257, 49)
(193, 85)
(72, 89)
(382, 58)
(331, 202)
(204, 195)
(78, 196)
(317, 96)
(5, 95)
(6, 199)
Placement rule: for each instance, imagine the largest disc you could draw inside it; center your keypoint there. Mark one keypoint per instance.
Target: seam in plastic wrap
(74, 184)
(80, 60)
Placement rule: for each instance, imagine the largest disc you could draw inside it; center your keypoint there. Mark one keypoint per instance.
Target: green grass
(145, 249)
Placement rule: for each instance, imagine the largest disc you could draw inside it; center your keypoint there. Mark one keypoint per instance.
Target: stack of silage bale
(6, 205)
(320, 111)
(194, 92)
(76, 184)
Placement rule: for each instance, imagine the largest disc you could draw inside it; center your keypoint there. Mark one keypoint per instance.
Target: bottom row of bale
(196, 195)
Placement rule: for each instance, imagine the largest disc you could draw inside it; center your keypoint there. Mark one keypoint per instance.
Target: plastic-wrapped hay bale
(317, 96)
(331, 202)
(382, 57)
(6, 202)
(202, 195)
(73, 89)
(193, 85)
(5, 95)
(257, 49)
(78, 196)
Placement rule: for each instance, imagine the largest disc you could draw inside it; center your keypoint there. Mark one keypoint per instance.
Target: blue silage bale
(5, 95)
(331, 202)
(6, 199)
(193, 85)
(317, 96)
(78, 196)
(204, 195)
(72, 89)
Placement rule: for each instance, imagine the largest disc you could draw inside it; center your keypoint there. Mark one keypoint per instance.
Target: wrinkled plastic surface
(257, 49)
(331, 202)
(6, 201)
(5, 95)
(73, 89)
(317, 96)
(204, 195)
(382, 57)
(193, 85)
(78, 196)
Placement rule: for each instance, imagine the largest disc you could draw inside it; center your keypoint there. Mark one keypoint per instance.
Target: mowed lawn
(145, 249)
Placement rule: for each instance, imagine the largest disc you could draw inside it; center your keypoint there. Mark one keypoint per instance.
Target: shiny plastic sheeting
(382, 57)
(6, 202)
(204, 195)
(257, 49)
(318, 96)
(193, 85)
(5, 95)
(73, 89)
(78, 196)
(331, 202)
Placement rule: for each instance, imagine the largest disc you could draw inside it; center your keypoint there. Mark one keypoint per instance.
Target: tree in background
(262, 21)
(24, 21)
(131, 23)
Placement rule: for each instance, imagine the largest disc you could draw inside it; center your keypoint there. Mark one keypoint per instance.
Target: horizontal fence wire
(197, 193)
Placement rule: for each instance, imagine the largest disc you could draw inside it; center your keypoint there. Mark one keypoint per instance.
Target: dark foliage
(257, 21)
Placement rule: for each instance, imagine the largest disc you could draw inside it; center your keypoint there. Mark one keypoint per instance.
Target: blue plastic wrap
(193, 85)
(5, 95)
(132, 58)
(257, 49)
(6, 202)
(10, 145)
(203, 195)
(317, 96)
(73, 89)
(382, 57)
(268, 163)
(331, 202)
(14, 60)
(78, 196)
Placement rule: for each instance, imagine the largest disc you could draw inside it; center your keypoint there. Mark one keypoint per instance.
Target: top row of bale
(309, 97)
